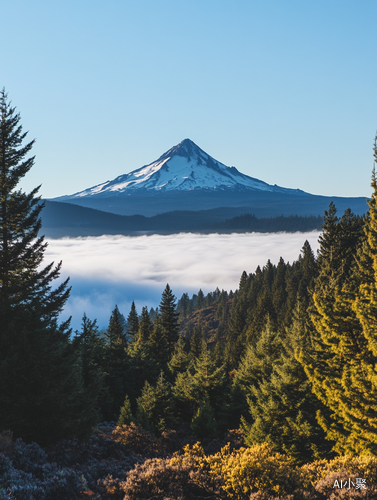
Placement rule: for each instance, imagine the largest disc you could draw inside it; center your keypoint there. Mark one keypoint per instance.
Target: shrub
(137, 439)
(166, 480)
(326, 487)
(362, 466)
(254, 469)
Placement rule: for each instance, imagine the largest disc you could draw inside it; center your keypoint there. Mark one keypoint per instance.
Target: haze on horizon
(283, 91)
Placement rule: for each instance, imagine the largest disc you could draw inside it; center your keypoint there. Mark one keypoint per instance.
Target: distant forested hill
(291, 223)
(66, 219)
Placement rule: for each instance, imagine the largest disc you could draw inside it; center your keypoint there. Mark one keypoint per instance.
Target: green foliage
(42, 393)
(204, 423)
(337, 359)
(145, 325)
(91, 345)
(281, 403)
(169, 317)
(125, 416)
(132, 322)
(203, 383)
(155, 406)
(248, 222)
(180, 360)
(116, 363)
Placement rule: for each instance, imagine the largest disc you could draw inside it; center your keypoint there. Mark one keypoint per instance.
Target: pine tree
(145, 325)
(204, 424)
(117, 363)
(132, 322)
(158, 349)
(115, 332)
(180, 360)
(92, 348)
(169, 317)
(42, 394)
(156, 403)
(282, 405)
(202, 383)
(183, 305)
(195, 342)
(338, 362)
(199, 303)
(125, 416)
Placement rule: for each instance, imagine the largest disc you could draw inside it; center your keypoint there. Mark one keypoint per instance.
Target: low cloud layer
(109, 270)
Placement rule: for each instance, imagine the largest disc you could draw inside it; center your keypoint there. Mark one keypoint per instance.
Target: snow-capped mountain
(184, 167)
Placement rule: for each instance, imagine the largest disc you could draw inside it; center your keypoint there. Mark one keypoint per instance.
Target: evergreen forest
(265, 392)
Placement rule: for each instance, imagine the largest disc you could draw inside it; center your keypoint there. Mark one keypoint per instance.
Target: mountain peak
(184, 167)
(186, 148)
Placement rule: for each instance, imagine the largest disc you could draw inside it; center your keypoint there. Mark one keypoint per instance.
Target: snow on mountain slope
(184, 167)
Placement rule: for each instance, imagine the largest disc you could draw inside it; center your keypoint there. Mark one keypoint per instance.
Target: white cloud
(106, 270)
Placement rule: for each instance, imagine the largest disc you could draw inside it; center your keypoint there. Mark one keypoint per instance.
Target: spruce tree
(282, 405)
(145, 325)
(169, 317)
(180, 360)
(132, 322)
(202, 383)
(42, 394)
(117, 363)
(125, 416)
(92, 348)
(199, 303)
(158, 349)
(339, 359)
(155, 406)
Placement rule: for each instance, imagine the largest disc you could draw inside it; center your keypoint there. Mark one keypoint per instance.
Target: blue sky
(283, 90)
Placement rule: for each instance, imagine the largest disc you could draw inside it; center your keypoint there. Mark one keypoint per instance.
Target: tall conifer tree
(338, 359)
(169, 317)
(42, 395)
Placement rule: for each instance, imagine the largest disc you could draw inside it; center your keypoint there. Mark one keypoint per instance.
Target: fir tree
(156, 403)
(115, 332)
(183, 305)
(169, 317)
(282, 405)
(132, 322)
(196, 342)
(92, 348)
(199, 303)
(180, 360)
(204, 424)
(202, 383)
(117, 363)
(339, 360)
(145, 325)
(42, 394)
(125, 416)
(158, 349)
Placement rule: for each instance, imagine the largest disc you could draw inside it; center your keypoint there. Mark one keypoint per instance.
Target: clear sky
(286, 91)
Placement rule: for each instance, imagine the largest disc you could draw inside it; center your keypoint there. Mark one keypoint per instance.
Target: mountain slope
(184, 167)
(186, 178)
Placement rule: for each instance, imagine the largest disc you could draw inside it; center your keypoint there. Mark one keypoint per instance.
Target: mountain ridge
(186, 178)
(184, 167)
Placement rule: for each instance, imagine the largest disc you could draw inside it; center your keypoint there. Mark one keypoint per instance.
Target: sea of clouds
(109, 270)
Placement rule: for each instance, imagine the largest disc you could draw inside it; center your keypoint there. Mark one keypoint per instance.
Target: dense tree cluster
(289, 357)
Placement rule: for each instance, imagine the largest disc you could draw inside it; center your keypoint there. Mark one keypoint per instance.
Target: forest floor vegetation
(130, 463)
